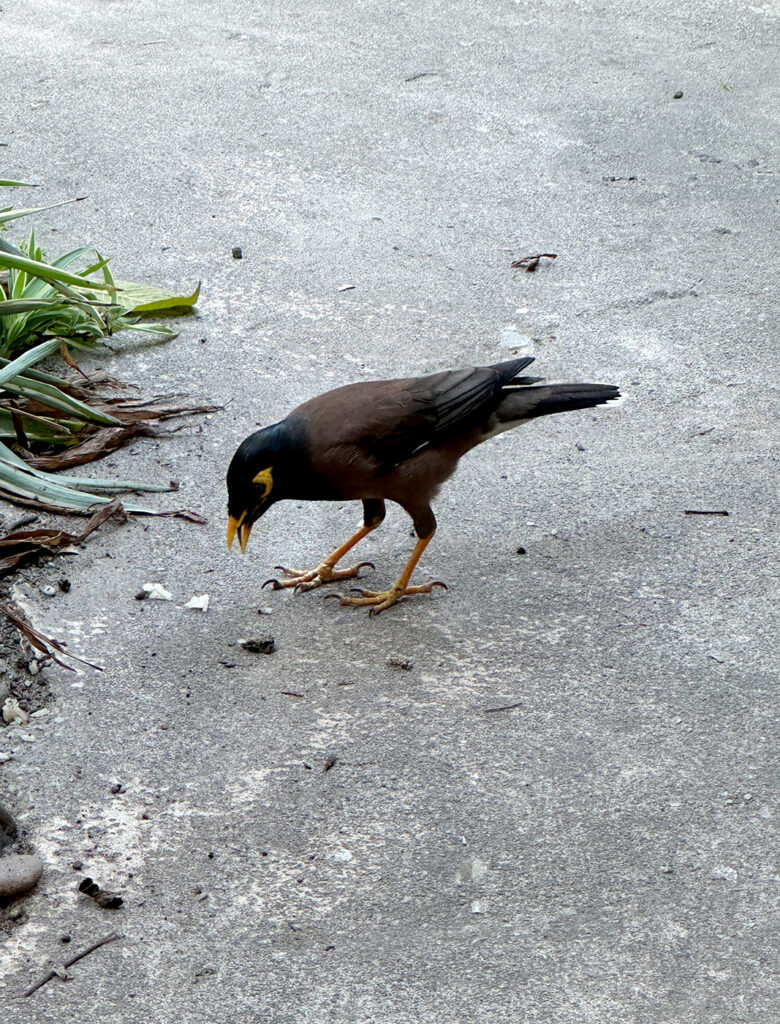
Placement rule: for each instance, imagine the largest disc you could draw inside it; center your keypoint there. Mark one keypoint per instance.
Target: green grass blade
(11, 213)
(12, 307)
(49, 273)
(27, 359)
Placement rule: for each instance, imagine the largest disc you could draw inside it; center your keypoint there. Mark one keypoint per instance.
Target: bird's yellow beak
(238, 526)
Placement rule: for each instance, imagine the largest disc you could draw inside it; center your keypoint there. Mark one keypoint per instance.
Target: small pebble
(48, 591)
(7, 827)
(678, 95)
(521, 551)
(19, 873)
(64, 584)
(265, 611)
(237, 253)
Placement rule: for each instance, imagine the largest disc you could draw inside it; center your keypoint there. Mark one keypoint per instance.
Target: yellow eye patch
(265, 480)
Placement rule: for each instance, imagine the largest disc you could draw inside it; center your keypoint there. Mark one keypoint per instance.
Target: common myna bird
(386, 440)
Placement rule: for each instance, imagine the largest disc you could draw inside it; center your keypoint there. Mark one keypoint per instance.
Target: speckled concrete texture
(602, 852)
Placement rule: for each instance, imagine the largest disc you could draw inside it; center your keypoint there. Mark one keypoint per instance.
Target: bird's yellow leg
(378, 600)
(326, 571)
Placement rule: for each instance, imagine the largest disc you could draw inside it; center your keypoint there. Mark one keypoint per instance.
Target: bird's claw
(275, 584)
(300, 581)
(379, 600)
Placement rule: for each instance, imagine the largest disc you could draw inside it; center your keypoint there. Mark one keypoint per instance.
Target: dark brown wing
(428, 411)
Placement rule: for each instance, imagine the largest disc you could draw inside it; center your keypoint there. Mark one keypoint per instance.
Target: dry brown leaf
(45, 645)
(27, 545)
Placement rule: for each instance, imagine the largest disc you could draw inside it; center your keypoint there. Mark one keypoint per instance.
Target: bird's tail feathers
(527, 403)
(509, 370)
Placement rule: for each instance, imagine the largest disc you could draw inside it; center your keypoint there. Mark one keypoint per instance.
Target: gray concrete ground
(601, 853)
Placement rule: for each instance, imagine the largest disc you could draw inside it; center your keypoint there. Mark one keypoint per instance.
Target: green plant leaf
(17, 184)
(15, 306)
(11, 261)
(145, 298)
(11, 213)
(28, 358)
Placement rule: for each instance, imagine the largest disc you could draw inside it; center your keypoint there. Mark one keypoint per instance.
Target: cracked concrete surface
(604, 851)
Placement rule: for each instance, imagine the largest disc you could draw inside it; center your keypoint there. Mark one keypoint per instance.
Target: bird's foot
(324, 573)
(378, 600)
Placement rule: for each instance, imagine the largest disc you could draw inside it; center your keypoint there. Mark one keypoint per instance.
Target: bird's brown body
(346, 457)
(395, 440)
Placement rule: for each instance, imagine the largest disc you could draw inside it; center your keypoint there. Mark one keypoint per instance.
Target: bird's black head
(261, 473)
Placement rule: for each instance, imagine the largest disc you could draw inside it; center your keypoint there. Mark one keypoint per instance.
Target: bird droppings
(265, 611)
(260, 645)
(405, 664)
(514, 340)
(199, 602)
(155, 592)
(13, 713)
(48, 591)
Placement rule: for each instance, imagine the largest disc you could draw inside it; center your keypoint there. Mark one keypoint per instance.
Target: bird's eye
(264, 481)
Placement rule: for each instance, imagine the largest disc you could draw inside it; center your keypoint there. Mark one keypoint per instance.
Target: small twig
(329, 762)
(289, 693)
(422, 74)
(69, 963)
(530, 263)
(703, 512)
(24, 521)
(18, 423)
(506, 707)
